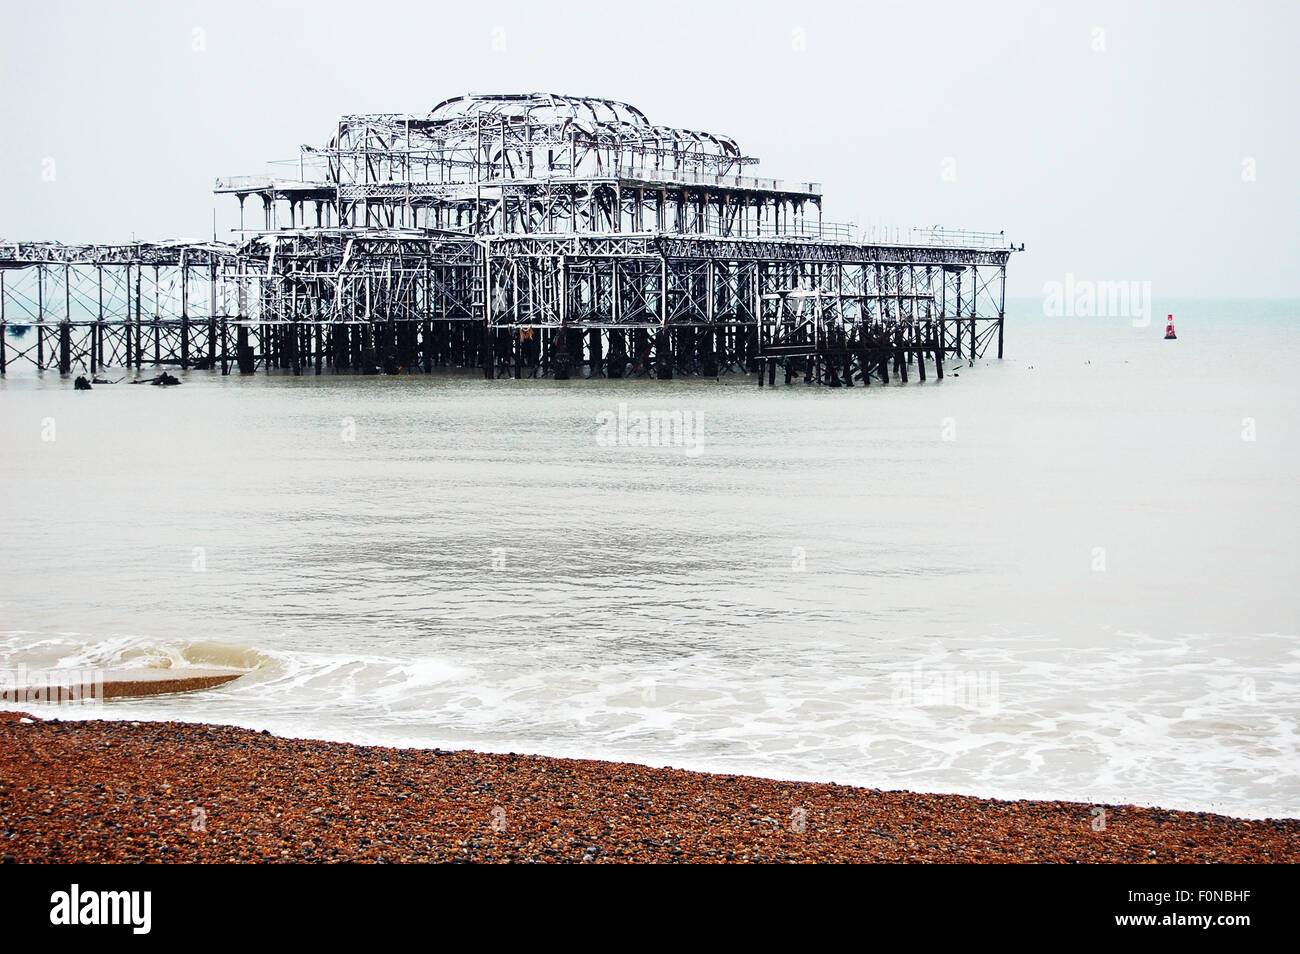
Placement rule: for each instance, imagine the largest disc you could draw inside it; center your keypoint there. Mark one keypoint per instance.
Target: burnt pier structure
(525, 235)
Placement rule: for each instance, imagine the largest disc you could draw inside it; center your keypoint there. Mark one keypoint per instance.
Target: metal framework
(524, 234)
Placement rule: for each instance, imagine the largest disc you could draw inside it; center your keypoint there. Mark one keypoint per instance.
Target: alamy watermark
(132, 909)
(1084, 298)
(83, 687)
(631, 427)
(946, 686)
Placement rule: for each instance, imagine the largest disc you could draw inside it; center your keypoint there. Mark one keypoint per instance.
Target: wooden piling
(900, 352)
(225, 352)
(707, 351)
(489, 356)
(560, 354)
(616, 364)
(65, 346)
(594, 345)
(243, 351)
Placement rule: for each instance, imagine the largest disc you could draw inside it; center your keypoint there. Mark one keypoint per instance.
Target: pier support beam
(243, 351)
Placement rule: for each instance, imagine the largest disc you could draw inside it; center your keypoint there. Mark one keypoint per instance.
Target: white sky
(1120, 164)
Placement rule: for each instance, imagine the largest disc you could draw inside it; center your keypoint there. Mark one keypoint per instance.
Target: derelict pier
(526, 235)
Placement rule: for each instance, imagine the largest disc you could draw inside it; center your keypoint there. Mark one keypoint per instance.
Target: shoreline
(109, 791)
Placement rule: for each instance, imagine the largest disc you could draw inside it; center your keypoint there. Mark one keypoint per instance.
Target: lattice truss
(628, 283)
(507, 214)
(526, 164)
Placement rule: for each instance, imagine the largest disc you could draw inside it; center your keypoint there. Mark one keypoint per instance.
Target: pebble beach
(108, 791)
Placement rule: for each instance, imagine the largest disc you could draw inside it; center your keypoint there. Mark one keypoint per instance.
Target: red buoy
(1169, 330)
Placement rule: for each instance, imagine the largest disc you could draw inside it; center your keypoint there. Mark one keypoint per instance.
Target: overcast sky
(1119, 141)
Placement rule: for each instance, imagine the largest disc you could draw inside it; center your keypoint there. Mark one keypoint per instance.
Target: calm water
(1063, 575)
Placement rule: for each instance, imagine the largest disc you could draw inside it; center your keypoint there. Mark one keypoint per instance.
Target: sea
(1067, 574)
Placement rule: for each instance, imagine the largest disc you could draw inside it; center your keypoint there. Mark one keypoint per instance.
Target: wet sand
(146, 791)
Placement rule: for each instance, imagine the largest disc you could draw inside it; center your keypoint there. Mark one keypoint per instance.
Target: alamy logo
(103, 907)
(1084, 298)
(945, 686)
(634, 428)
(51, 686)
